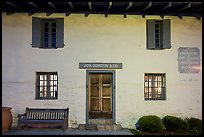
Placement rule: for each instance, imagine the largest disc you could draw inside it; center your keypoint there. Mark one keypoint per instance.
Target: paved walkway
(70, 131)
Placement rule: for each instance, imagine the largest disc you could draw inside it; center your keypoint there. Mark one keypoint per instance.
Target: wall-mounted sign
(100, 65)
(188, 60)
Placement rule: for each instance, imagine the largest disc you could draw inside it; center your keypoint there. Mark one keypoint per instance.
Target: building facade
(113, 68)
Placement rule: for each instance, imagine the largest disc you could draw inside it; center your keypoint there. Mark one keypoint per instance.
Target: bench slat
(38, 116)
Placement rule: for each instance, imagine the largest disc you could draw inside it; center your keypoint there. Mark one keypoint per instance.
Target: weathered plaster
(99, 39)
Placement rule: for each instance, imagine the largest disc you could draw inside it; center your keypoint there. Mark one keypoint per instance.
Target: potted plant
(6, 119)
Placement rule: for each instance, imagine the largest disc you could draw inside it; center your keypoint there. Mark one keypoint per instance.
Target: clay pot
(6, 119)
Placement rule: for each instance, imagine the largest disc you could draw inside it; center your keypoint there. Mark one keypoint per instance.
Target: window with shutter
(47, 33)
(158, 34)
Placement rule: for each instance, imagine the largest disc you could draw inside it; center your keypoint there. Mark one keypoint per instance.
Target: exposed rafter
(12, 4)
(71, 5)
(167, 6)
(185, 7)
(148, 6)
(9, 13)
(90, 5)
(67, 13)
(198, 17)
(162, 16)
(49, 13)
(86, 14)
(197, 10)
(193, 9)
(129, 5)
(34, 5)
(180, 17)
(31, 13)
(109, 6)
(52, 5)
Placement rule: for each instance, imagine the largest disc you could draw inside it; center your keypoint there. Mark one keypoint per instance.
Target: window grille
(154, 86)
(46, 85)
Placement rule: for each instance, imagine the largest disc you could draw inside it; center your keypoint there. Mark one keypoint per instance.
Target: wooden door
(100, 96)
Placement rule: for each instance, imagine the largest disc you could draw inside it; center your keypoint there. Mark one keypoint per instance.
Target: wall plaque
(100, 65)
(188, 60)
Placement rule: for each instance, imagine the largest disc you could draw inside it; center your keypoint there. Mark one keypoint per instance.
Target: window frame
(164, 34)
(46, 86)
(50, 37)
(38, 32)
(152, 89)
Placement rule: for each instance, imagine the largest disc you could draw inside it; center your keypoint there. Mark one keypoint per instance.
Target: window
(47, 33)
(158, 34)
(154, 86)
(46, 85)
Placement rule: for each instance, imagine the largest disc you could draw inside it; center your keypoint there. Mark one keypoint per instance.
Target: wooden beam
(185, 7)
(162, 16)
(67, 13)
(196, 10)
(31, 13)
(86, 14)
(34, 5)
(148, 6)
(52, 5)
(71, 5)
(167, 6)
(198, 17)
(129, 5)
(90, 6)
(49, 13)
(12, 4)
(9, 13)
(110, 5)
(179, 16)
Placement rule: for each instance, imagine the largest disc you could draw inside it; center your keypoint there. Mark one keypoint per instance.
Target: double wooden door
(100, 96)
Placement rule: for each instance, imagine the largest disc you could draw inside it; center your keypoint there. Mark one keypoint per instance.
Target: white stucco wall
(98, 39)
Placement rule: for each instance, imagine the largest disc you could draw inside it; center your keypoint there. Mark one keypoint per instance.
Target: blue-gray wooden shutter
(150, 26)
(36, 32)
(37, 87)
(166, 34)
(60, 32)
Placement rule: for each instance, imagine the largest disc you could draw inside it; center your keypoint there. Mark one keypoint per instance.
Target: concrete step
(100, 121)
(113, 127)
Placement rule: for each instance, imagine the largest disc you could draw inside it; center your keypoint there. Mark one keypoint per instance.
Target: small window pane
(53, 29)
(54, 45)
(55, 77)
(54, 24)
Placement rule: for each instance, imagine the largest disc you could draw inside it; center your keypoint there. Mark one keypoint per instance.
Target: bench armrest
(21, 115)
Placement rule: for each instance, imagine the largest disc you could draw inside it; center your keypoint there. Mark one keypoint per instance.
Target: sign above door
(100, 65)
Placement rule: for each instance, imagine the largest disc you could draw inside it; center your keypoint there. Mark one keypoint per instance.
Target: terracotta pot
(6, 119)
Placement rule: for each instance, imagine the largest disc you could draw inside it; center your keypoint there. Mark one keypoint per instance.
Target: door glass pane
(94, 91)
(94, 104)
(106, 78)
(106, 91)
(106, 107)
(94, 79)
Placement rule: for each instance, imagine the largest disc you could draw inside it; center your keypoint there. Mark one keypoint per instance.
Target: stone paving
(69, 131)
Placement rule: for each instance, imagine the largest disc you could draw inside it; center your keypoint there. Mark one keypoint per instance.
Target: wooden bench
(44, 118)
